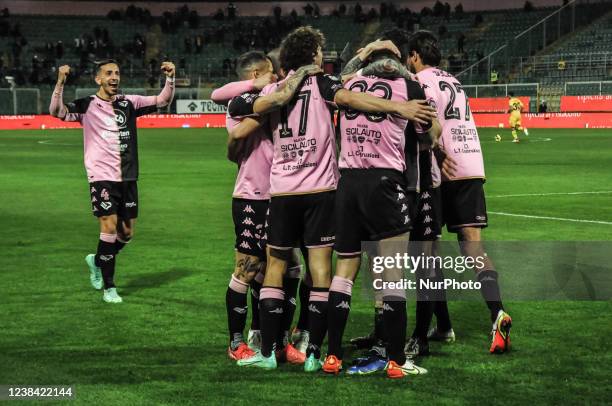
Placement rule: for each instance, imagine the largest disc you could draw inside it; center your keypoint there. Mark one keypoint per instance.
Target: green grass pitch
(166, 344)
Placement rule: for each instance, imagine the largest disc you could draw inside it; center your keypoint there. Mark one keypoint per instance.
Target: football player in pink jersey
(464, 209)
(375, 199)
(426, 224)
(249, 207)
(111, 159)
(303, 182)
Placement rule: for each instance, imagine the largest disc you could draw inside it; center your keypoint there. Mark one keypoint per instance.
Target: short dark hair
(299, 47)
(247, 60)
(99, 64)
(274, 56)
(426, 45)
(400, 38)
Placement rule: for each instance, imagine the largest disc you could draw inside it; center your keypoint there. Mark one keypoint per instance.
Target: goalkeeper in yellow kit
(516, 106)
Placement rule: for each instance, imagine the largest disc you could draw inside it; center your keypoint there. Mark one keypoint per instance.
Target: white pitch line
(49, 142)
(551, 218)
(600, 192)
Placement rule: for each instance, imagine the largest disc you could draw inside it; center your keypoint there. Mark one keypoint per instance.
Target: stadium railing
(518, 89)
(20, 101)
(588, 88)
(575, 14)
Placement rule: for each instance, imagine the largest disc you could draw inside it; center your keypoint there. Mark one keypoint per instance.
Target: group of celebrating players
(409, 162)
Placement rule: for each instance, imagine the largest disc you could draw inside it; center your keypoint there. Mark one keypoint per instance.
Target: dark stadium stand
(205, 48)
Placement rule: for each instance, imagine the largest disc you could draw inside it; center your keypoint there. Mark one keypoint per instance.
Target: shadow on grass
(156, 280)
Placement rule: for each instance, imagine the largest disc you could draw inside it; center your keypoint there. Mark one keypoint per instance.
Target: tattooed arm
(273, 101)
(387, 68)
(364, 53)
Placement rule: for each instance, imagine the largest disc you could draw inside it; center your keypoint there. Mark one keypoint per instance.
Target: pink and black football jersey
(304, 139)
(459, 135)
(378, 140)
(253, 180)
(109, 131)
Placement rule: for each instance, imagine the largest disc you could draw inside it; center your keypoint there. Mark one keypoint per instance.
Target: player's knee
(108, 225)
(246, 268)
(470, 234)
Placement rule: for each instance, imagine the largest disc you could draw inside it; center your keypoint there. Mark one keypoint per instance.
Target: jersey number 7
(285, 131)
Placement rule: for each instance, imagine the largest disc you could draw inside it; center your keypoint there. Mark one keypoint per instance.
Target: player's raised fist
(62, 73)
(168, 69)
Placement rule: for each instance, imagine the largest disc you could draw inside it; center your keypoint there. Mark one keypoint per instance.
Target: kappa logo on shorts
(93, 199)
(93, 190)
(404, 207)
(399, 188)
(427, 231)
(259, 226)
(406, 219)
(481, 218)
(427, 219)
(426, 207)
(106, 205)
(388, 308)
(95, 209)
(278, 310)
(425, 195)
(248, 222)
(245, 245)
(400, 196)
(293, 301)
(104, 194)
(130, 204)
(247, 233)
(248, 209)
(313, 309)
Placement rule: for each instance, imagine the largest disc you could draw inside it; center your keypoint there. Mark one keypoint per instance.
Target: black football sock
(443, 321)
(304, 297)
(339, 308)
(105, 258)
(317, 320)
(255, 290)
(236, 305)
(490, 292)
(290, 286)
(379, 330)
(424, 308)
(395, 319)
(271, 302)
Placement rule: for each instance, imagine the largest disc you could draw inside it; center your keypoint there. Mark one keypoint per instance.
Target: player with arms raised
(463, 199)
(111, 159)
